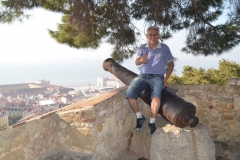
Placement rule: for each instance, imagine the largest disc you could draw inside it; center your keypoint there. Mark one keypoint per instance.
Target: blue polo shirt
(157, 58)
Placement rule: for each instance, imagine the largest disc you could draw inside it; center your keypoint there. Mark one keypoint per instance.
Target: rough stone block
(237, 103)
(89, 112)
(223, 106)
(174, 143)
(69, 155)
(214, 96)
(234, 81)
(103, 112)
(62, 125)
(233, 128)
(141, 140)
(228, 117)
(221, 138)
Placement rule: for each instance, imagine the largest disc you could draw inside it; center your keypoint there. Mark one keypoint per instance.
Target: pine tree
(86, 23)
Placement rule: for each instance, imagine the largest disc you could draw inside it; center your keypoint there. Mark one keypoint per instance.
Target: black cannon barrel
(173, 108)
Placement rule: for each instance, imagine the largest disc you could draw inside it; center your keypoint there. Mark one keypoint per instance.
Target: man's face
(152, 36)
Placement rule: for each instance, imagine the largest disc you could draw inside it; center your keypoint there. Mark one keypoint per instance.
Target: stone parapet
(218, 107)
(234, 81)
(97, 128)
(103, 127)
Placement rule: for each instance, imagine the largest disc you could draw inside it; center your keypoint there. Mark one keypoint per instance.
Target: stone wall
(97, 128)
(218, 107)
(103, 127)
(234, 81)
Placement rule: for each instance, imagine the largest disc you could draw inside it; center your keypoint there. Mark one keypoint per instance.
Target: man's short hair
(153, 27)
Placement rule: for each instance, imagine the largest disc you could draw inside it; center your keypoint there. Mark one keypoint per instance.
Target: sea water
(63, 73)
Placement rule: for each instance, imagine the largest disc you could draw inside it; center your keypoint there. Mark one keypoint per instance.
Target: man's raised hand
(144, 58)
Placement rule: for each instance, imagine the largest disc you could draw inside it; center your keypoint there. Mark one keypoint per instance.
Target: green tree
(190, 75)
(227, 69)
(1, 127)
(175, 79)
(14, 119)
(86, 23)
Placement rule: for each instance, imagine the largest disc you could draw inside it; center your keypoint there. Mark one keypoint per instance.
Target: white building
(101, 81)
(47, 103)
(42, 82)
(16, 108)
(109, 82)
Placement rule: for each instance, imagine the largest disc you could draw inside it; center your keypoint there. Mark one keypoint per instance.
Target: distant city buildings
(32, 99)
(15, 108)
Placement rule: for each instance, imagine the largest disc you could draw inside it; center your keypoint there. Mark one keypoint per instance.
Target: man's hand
(165, 83)
(144, 58)
(141, 59)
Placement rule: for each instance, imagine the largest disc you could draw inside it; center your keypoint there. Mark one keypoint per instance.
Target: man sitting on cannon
(152, 58)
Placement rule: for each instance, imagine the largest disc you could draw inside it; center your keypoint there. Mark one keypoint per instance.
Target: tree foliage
(13, 119)
(1, 127)
(190, 75)
(86, 23)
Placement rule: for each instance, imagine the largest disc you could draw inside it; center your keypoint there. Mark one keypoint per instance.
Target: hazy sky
(29, 42)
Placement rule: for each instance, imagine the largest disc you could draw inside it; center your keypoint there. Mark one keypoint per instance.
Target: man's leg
(136, 87)
(140, 118)
(157, 86)
(155, 105)
(134, 105)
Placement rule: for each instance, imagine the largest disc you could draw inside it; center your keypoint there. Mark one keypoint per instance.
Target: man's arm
(169, 71)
